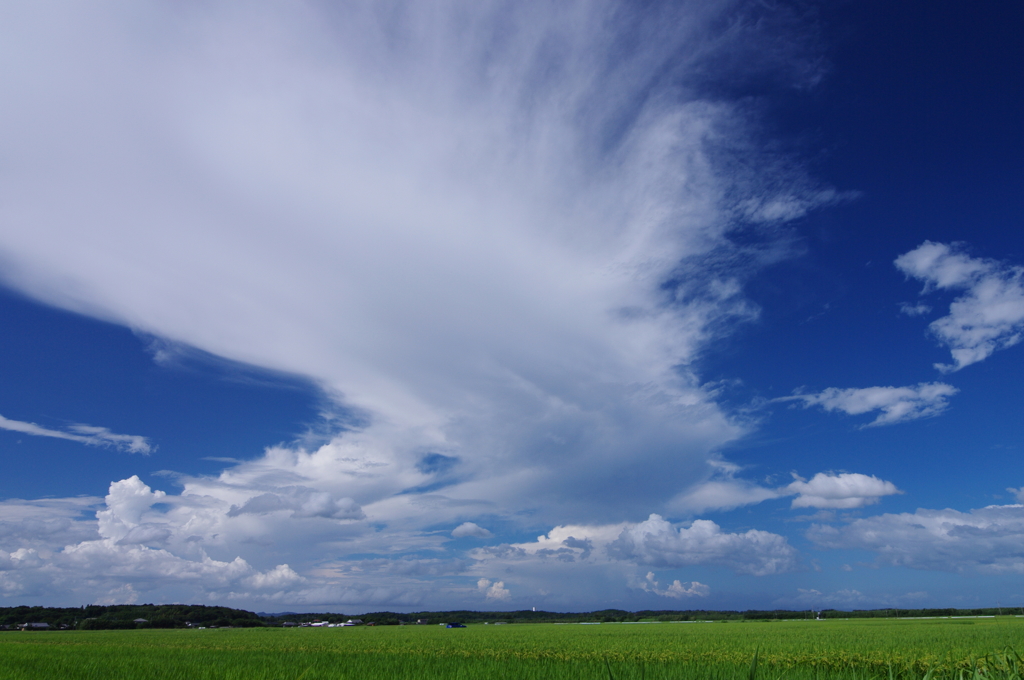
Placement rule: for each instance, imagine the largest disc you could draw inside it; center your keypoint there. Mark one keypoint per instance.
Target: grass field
(801, 650)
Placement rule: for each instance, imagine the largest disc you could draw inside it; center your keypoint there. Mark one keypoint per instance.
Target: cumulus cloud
(989, 539)
(845, 490)
(494, 591)
(213, 540)
(654, 542)
(897, 404)
(470, 529)
(675, 590)
(145, 542)
(85, 434)
(987, 317)
(104, 567)
(657, 543)
(591, 565)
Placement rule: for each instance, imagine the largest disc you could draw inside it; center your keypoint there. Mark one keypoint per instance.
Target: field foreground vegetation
(811, 650)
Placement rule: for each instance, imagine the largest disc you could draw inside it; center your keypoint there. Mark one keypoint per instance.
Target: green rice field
(812, 650)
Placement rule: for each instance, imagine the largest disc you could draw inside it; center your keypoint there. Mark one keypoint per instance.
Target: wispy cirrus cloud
(501, 232)
(896, 404)
(920, 309)
(987, 317)
(84, 434)
(722, 490)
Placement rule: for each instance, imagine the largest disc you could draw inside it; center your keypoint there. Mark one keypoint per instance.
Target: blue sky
(502, 305)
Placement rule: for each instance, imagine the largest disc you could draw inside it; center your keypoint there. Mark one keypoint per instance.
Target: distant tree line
(126, 616)
(622, 616)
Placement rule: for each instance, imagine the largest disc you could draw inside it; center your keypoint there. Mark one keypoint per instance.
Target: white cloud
(919, 309)
(825, 490)
(654, 542)
(989, 539)
(102, 567)
(302, 502)
(206, 548)
(657, 543)
(85, 434)
(989, 316)
(792, 206)
(815, 598)
(849, 598)
(723, 491)
(465, 238)
(470, 529)
(459, 220)
(47, 524)
(675, 590)
(721, 495)
(147, 543)
(592, 565)
(897, 404)
(494, 591)
(844, 490)
(1017, 493)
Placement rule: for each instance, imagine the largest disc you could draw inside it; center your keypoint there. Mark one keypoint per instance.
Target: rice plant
(812, 650)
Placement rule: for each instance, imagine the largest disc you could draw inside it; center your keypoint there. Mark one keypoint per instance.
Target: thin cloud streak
(84, 434)
(897, 404)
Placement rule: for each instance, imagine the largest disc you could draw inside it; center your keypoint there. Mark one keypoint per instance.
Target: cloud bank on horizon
(498, 236)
